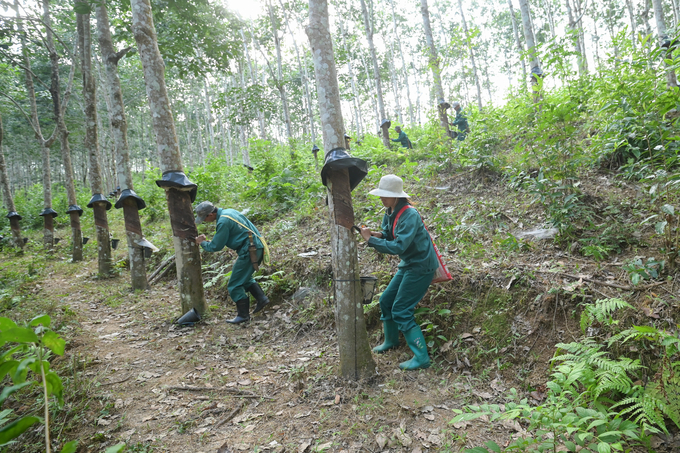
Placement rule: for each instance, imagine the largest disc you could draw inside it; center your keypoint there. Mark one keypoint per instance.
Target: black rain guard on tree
(75, 208)
(48, 211)
(99, 197)
(12, 214)
(178, 180)
(338, 159)
(129, 193)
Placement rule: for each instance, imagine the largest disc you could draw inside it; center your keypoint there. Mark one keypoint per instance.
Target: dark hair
(408, 200)
(214, 211)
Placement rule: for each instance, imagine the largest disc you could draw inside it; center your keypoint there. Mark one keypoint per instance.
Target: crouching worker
(404, 234)
(235, 231)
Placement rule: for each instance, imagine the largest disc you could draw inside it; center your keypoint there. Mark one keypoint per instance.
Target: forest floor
(272, 385)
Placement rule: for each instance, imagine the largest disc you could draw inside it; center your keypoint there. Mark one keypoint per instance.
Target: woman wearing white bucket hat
(404, 234)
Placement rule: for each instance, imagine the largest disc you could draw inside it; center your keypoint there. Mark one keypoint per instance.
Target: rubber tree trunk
(518, 42)
(468, 40)
(356, 361)
(376, 74)
(188, 257)
(633, 23)
(395, 88)
(403, 63)
(531, 46)
(253, 78)
(118, 120)
(209, 118)
(280, 85)
(92, 145)
(350, 70)
(62, 133)
(9, 200)
(665, 42)
(303, 74)
(436, 71)
(48, 220)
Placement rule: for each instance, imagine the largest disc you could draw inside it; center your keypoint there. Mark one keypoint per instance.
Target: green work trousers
(398, 301)
(242, 276)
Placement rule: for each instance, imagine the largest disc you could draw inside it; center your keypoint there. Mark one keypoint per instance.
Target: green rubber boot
(416, 341)
(391, 337)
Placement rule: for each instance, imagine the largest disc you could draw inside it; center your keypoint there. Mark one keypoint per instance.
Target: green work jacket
(410, 240)
(403, 139)
(461, 121)
(232, 234)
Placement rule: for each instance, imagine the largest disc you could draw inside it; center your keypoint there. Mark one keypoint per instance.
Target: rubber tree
(179, 191)
(12, 214)
(353, 83)
(58, 108)
(129, 201)
(98, 203)
(303, 74)
(468, 41)
(356, 361)
(665, 41)
(253, 78)
(518, 42)
(368, 25)
(442, 105)
(403, 62)
(48, 214)
(280, 85)
(536, 72)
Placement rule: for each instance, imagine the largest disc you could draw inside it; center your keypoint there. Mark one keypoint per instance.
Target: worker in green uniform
(460, 122)
(403, 138)
(235, 231)
(404, 234)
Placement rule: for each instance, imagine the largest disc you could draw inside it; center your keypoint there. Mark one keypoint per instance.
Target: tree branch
(10, 58)
(30, 121)
(115, 58)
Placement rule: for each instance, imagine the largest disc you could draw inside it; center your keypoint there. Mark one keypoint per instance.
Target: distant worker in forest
(460, 122)
(403, 233)
(403, 138)
(235, 231)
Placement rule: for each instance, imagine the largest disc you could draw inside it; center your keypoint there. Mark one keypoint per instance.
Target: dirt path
(267, 386)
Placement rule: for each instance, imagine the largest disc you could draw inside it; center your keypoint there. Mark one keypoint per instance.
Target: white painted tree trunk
(376, 73)
(188, 258)
(356, 361)
(118, 121)
(91, 144)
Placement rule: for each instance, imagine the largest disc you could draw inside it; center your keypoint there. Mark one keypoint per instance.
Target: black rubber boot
(259, 296)
(242, 310)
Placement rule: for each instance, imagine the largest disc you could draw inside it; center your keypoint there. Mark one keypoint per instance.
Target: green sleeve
(405, 232)
(219, 240)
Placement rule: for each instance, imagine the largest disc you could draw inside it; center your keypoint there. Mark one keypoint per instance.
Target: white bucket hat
(390, 186)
